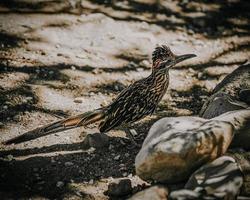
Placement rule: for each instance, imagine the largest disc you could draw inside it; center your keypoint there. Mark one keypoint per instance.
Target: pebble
(59, 184)
(96, 140)
(35, 169)
(152, 193)
(67, 164)
(125, 174)
(96, 71)
(199, 75)
(78, 100)
(91, 182)
(10, 157)
(43, 53)
(139, 69)
(145, 63)
(117, 157)
(120, 187)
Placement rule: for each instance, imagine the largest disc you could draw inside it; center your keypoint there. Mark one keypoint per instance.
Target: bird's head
(163, 58)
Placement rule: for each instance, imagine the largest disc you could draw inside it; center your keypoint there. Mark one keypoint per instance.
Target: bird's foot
(131, 133)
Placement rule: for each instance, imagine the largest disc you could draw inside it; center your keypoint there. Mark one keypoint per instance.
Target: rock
(244, 95)
(241, 122)
(117, 157)
(232, 93)
(184, 195)
(220, 179)
(96, 140)
(220, 104)
(120, 187)
(59, 184)
(78, 100)
(176, 146)
(68, 164)
(125, 174)
(244, 163)
(152, 193)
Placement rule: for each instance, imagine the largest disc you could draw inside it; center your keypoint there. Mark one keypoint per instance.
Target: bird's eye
(164, 63)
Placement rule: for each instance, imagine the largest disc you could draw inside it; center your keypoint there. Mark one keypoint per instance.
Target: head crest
(161, 53)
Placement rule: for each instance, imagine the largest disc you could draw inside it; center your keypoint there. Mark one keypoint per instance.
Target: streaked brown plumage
(132, 104)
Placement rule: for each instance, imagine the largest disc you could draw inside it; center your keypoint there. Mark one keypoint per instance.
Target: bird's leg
(130, 134)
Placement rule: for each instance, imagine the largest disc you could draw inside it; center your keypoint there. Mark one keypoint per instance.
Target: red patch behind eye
(157, 63)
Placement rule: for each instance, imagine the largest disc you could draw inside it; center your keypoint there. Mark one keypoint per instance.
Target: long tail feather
(62, 125)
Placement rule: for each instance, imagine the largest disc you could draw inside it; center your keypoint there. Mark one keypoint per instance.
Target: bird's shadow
(39, 171)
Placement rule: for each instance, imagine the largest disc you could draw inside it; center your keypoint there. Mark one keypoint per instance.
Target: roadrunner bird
(133, 103)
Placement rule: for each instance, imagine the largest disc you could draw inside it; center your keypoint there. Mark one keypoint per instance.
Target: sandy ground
(52, 54)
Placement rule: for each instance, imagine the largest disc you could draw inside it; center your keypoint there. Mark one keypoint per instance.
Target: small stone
(199, 75)
(10, 157)
(68, 164)
(96, 71)
(126, 155)
(139, 69)
(35, 169)
(73, 67)
(184, 194)
(96, 140)
(145, 63)
(125, 174)
(131, 64)
(5, 107)
(191, 70)
(117, 157)
(41, 183)
(120, 187)
(152, 193)
(59, 184)
(57, 46)
(78, 100)
(91, 182)
(51, 72)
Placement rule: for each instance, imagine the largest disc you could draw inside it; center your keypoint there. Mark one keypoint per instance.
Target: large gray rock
(232, 93)
(177, 146)
(220, 179)
(152, 193)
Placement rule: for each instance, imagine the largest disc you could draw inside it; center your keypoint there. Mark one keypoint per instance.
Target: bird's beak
(168, 64)
(183, 57)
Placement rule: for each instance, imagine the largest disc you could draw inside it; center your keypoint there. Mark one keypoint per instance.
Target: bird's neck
(159, 74)
(159, 78)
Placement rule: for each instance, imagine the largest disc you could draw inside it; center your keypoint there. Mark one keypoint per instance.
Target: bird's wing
(131, 105)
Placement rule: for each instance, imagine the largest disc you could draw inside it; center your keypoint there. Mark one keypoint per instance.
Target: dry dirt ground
(54, 52)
